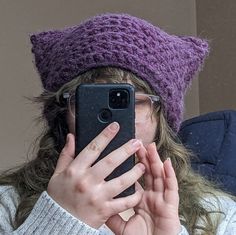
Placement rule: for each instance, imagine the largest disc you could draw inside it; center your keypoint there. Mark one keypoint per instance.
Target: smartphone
(98, 105)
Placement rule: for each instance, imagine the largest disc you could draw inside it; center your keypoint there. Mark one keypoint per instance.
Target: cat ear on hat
(42, 46)
(196, 51)
(43, 42)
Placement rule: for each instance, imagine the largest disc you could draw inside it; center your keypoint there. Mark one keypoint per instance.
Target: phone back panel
(91, 99)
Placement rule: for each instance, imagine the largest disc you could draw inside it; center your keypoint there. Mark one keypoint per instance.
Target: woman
(60, 193)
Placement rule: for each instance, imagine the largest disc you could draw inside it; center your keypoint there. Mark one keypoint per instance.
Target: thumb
(67, 154)
(116, 224)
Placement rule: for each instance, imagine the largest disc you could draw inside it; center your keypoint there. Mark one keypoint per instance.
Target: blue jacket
(212, 137)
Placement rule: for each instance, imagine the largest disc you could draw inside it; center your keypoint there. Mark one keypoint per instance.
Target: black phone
(98, 105)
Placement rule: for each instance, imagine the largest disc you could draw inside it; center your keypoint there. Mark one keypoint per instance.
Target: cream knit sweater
(47, 217)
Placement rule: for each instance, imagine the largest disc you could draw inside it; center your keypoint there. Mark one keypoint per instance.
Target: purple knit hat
(167, 62)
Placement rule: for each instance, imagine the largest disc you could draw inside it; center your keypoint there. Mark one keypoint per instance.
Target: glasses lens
(143, 107)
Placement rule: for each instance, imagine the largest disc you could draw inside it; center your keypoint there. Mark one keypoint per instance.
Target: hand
(80, 188)
(157, 212)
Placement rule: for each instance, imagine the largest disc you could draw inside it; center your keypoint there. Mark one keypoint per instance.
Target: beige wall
(18, 78)
(217, 86)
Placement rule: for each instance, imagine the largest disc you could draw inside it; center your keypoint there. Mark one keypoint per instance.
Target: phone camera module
(119, 99)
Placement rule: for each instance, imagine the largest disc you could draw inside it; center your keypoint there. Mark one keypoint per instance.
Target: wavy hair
(31, 179)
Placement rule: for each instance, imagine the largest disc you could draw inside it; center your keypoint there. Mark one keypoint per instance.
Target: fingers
(138, 187)
(164, 178)
(156, 167)
(116, 224)
(171, 184)
(148, 179)
(106, 166)
(92, 151)
(67, 154)
(124, 203)
(119, 184)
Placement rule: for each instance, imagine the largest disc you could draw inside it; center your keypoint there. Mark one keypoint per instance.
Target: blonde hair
(31, 179)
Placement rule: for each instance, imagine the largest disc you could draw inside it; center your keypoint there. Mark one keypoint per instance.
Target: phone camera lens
(105, 115)
(113, 100)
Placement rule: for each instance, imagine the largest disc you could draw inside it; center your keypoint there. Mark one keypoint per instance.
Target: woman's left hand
(157, 212)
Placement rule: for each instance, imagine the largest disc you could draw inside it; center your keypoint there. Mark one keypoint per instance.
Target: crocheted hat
(167, 62)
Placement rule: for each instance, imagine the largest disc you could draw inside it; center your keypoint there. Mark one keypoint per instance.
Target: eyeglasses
(145, 105)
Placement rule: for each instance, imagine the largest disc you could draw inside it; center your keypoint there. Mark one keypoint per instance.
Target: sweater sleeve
(227, 225)
(46, 217)
(183, 231)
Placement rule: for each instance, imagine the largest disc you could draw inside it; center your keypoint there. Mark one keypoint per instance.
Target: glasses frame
(154, 99)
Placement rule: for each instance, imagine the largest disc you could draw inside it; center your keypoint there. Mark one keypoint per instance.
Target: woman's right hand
(80, 188)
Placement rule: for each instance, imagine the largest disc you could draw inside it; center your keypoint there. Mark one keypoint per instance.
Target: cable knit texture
(48, 218)
(167, 62)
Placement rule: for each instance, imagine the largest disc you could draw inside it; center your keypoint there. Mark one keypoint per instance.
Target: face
(144, 131)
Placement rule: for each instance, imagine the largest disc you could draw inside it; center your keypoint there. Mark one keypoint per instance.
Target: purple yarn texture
(167, 62)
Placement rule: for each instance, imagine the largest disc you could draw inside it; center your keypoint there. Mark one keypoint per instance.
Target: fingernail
(114, 126)
(135, 142)
(142, 167)
(154, 145)
(67, 138)
(168, 159)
